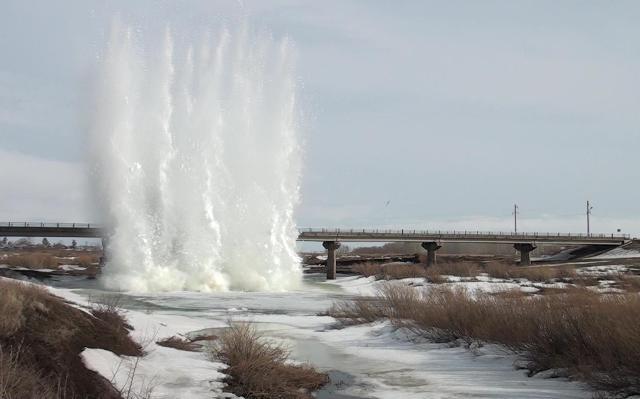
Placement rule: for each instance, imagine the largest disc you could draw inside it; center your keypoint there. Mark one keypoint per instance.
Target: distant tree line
(28, 242)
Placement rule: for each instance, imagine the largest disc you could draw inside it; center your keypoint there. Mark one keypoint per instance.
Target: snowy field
(374, 361)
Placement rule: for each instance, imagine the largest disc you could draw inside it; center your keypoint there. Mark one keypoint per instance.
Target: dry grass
(50, 258)
(259, 369)
(87, 260)
(591, 336)
(531, 273)
(396, 271)
(459, 269)
(368, 269)
(19, 381)
(179, 343)
(32, 261)
(358, 311)
(40, 332)
(116, 328)
(628, 282)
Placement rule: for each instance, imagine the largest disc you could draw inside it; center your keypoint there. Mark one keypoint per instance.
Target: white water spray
(197, 163)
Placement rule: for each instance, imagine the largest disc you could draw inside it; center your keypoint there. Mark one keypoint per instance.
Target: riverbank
(376, 360)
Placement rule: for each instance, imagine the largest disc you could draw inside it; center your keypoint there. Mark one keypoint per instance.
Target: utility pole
(589, 208)
(515, 218)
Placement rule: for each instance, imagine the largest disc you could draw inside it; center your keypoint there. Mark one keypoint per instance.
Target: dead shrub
(358, 311)
(179, 343)
(592, 336)
(434, 276)
(116, 328)
(498, 270)
(399, 271)
(368, 269)
(259, 369)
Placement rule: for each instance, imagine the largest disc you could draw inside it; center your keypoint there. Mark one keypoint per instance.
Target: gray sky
(450, 110)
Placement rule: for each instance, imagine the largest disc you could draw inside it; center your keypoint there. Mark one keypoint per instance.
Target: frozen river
(368, 361)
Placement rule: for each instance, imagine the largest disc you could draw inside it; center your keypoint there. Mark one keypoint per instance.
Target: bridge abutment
(525, 252)
(331, 247)
(431, 248)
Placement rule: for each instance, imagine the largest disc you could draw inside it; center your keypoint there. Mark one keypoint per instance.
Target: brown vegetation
(466, 269)
(31, 261)
(41, 338)
(628, 282)
(368, 269)
(531, 273)
(49, 258)
(179, 343)
(259, 369)
(591, 336)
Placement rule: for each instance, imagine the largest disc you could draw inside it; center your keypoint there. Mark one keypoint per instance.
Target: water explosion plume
(197, 163)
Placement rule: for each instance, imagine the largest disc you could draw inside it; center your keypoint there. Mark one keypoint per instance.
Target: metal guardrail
(465, 233)
(356, 232)
(51, 225)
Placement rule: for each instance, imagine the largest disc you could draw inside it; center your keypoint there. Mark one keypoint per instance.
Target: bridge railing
(354, 232)
(51, 225)
(449, 233)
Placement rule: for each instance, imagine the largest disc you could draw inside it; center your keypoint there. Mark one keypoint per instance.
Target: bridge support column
(331, 247)
(105, 245)
(525, 252)
(431, 248)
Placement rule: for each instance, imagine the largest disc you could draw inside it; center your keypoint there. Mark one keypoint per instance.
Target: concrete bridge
(331, 238)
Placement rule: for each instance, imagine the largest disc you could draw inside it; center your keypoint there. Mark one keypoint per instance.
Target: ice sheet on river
(385, 362)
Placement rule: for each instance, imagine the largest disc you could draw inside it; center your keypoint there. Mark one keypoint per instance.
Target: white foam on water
(197, 162)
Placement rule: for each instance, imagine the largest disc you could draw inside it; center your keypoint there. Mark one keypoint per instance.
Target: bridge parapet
(307, 234)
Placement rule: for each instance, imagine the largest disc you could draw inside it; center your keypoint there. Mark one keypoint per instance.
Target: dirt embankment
(41, 338)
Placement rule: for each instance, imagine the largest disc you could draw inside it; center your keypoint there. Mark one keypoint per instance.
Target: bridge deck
(364, 235)
(28, 229)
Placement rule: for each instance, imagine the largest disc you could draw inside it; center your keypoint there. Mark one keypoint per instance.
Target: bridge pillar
(431, 248)
(525, 252)
(105, 244)
(331, 247)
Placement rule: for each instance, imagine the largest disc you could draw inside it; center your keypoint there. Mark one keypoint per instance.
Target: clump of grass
(368, 269)
(179, 343)
(591, 336)
(116, 327)
(358, 310)
(259, 369)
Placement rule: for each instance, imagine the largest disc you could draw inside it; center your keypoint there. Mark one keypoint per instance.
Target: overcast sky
(417, 113)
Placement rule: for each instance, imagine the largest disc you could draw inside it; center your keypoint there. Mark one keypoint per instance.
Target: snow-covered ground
(379, 361)
(619, 253)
